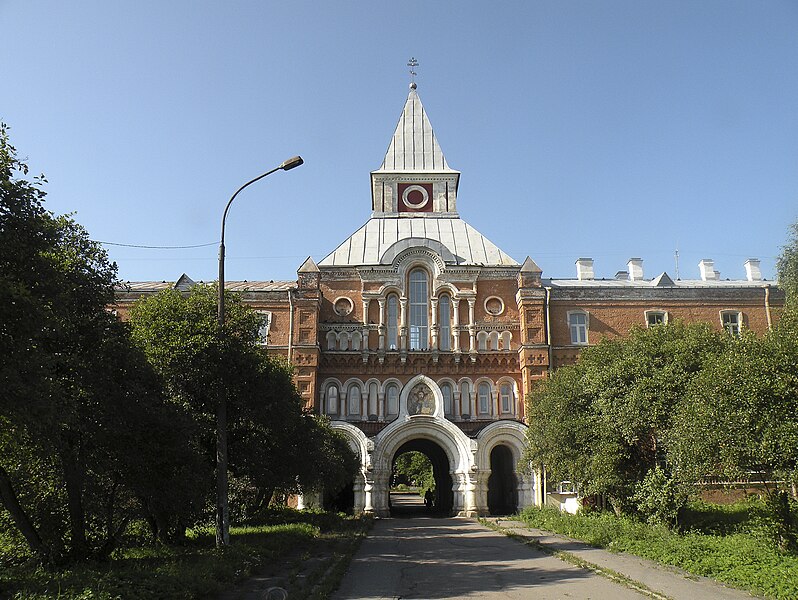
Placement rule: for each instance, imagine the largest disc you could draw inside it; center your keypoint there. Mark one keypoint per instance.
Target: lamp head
(291, 163)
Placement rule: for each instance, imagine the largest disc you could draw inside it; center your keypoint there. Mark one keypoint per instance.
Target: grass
(305, 553)
(726, 543)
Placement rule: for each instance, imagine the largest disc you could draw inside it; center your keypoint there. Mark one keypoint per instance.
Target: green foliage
(415, 469)
(605, 422)
(278, 546)
(267, 422)
(86, 437)
(659, 498)
(722, 542)
(787, 266)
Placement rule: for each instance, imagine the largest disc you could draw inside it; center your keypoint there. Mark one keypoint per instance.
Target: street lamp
(222, 509)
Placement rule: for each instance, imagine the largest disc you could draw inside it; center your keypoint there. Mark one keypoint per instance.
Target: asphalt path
(424, 557)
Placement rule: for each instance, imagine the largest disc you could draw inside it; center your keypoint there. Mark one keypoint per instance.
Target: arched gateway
(421, 420)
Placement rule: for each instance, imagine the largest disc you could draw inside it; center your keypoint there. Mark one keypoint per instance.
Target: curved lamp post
(222, 509)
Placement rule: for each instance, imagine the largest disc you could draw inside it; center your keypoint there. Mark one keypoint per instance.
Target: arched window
(392, 399)
(465, 399)
(354, 398)
(393, 322)
(419, 311)
(372, 408)
(494, 340)
(446, 390)
(507, 398)
(332, 340)
(332, 399)
(482, 341)
(343, 341)
(445, 321)
(356, 340)
(483, 392)
(506, 340)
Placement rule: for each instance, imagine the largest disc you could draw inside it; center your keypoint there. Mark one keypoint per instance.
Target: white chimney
(752, 270)
(635, 268)
(584, 269)
(621, 275)
(706, 267)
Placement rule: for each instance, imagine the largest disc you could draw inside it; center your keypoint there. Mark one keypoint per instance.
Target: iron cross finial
(412, 63)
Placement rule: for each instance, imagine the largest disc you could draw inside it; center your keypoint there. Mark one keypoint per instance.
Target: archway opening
(341, 499)
(440, 499)
(502, 483)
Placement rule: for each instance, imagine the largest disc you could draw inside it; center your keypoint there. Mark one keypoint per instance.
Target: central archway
(442, 500)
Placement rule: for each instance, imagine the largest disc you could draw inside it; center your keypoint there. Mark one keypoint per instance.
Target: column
(382, 324)
(456, 324)
(364, 348)
(434, 324)
(456, 402)
(380, 406)
(472, 327)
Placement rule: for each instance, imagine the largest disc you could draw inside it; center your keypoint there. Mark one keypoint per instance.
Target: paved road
(456, 558)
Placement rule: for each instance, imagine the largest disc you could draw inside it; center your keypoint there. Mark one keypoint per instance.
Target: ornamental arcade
(418, 333)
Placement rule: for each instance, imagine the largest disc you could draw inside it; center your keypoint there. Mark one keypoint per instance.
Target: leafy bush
(659, 498)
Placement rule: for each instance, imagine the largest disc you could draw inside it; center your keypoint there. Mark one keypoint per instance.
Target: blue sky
(601, 129)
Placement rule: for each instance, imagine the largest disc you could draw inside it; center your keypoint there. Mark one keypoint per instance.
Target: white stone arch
(493, 340)
(455, 444)
(404, 255)
(363, 447)
(355, 338)
(390, 288)
(455, 392)
(408, 388)
(465, 401)
(444, 287)
(513, 435)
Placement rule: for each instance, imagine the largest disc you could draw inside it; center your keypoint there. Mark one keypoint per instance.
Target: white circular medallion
(415, 197)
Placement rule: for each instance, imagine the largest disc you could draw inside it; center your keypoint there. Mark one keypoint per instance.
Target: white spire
(413, 147)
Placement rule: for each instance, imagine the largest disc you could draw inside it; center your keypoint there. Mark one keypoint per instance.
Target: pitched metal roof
(414, 146)
(382, 238)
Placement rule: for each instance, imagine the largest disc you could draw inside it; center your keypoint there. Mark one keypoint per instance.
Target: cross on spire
(412, 63)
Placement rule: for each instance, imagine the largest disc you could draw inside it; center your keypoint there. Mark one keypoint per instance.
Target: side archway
(362, 482)
(500, 486)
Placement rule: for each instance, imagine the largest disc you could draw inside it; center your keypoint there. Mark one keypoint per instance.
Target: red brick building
(418, 333)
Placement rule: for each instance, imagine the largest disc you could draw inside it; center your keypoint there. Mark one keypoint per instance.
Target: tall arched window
(446, 390)
(332, 340)
(507, 399)
(493, 337)
(483, 392)
(392, 399)
(419, 311)
(392, 319)
(332, 399)
(465, 399)
(445, 320)
(353, 399)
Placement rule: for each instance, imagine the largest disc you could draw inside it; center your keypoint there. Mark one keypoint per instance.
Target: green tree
(77, 398)
(787, 266)
(414, 468)
(273, 442)
(605, 422)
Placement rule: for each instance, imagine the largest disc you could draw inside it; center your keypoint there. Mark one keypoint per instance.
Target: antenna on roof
(676, 256)
(412, 63)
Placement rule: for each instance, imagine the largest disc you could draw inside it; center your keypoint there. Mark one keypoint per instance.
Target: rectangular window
(656, 317)
(507, 394)
(578, 324)
(731, 321)
(264, 324)
(393, 323)
(444, 307)
(484, 398)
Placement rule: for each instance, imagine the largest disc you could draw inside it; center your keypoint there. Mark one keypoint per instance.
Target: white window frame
(389, 410)
(739, 318)
(509, 408)
(653, 313)
(448, 399)
(572, 326)
(484, 411)
(418, 309)
(392, 322)
(445, 322)
(327, 410)
(264, 326)
(354, 402)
